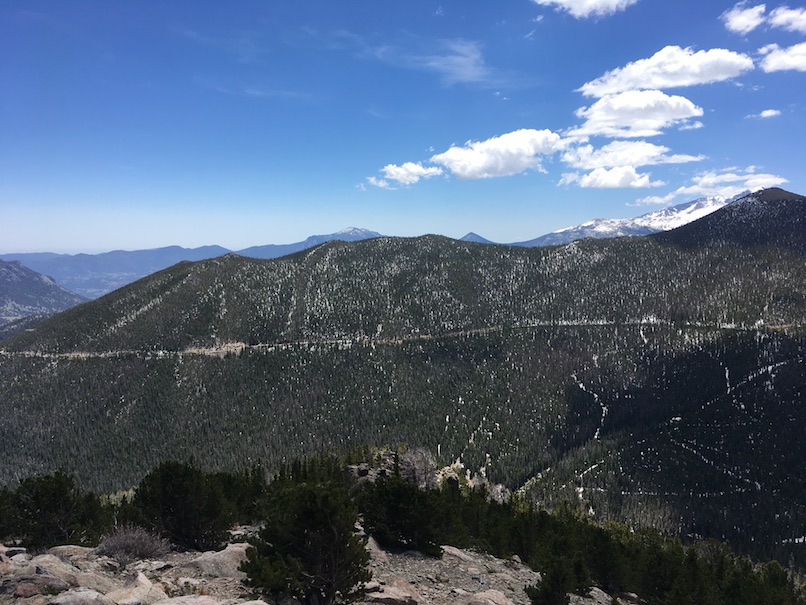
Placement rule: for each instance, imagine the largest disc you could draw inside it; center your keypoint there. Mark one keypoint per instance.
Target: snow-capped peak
(356, 233)
(677, 216)
(646, 224)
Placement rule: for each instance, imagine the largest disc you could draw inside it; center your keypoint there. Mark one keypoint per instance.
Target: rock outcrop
(73, 575)
(224, 563)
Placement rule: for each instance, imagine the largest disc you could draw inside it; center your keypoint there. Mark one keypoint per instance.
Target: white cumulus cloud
(623, 153)
(409, 173)
(504, 155)
(582, 9)
(790, 19)
(742, 19)
(670, 67)
(634, 113)
(767, 113)
(611, 178)
(783, 59)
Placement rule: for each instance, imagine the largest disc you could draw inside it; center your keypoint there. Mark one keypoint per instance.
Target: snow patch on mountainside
(646, 224)
(355, 233)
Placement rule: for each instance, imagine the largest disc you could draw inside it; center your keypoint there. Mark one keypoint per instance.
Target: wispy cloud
(582, 9)
(455, 61)
(255, 91)
(461, 62)
(244, 47)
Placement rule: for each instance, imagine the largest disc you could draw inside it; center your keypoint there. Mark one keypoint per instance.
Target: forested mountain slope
(772, 217)
(24, 293)
(392, 288)
(642, 379)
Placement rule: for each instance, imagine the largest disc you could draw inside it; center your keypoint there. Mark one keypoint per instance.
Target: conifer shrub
(130, 542)
(185, 505)
(308, 548)
(6, 512)
(400, 515)
(50, 510)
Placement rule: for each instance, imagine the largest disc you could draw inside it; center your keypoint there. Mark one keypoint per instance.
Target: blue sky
(130, 125)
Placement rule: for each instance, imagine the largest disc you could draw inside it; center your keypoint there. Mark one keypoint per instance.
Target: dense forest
(649, 381)
(696, 431)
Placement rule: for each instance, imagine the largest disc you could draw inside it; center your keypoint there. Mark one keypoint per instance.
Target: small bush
(131, 542)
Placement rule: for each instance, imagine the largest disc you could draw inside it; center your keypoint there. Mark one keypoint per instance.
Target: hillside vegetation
(26, 294)
(656, 381)
(308, 548)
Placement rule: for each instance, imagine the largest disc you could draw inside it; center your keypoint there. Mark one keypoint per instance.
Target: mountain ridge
(293, 297)
(93, 275)
(648, 382)
(756, 219)
(645, 224)
(24, 292)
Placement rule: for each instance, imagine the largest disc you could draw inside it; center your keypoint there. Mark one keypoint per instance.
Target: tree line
(308, 546)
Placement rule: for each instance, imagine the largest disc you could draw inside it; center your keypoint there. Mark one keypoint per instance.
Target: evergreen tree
(48, 510)
(308, 547)
(6, 512)
(556, 582)
(185, 504)
(400, 515)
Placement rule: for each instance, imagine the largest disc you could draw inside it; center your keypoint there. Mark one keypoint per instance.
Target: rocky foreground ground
(74, 575)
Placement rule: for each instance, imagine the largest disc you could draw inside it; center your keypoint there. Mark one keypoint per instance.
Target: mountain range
(93, 275)
(653, 380)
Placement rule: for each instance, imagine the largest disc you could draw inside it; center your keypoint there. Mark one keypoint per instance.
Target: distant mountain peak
(476, 238)
(358, 232)
(350, 234)
(663, 219)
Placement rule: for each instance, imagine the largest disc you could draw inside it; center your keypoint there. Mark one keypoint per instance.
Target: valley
(656, 381)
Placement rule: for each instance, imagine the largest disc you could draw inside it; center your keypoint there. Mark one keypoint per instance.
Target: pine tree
(308, 547)
(185, 504)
